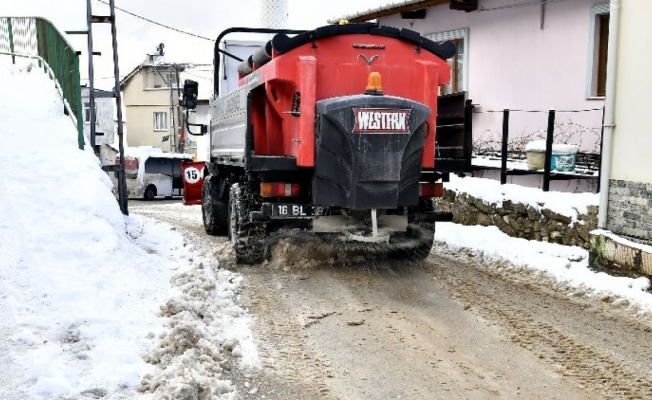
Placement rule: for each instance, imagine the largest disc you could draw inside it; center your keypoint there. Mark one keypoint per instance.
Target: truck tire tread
(247, 237)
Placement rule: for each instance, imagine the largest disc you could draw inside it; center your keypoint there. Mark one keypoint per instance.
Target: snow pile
(492, 192)
(208, 333)
(567, 265)
(81, 285)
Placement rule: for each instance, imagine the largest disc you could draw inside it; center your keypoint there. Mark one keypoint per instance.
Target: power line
(156, 23)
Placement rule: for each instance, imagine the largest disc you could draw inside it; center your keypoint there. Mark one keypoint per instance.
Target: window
(160, 121)
(458, 63)
(159, 166)
(87, 112)
(599, 40)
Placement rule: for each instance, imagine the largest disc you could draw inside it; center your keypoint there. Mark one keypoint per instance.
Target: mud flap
(193, 179)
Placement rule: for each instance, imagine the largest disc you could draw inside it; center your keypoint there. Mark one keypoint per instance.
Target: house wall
(140, 105)
(513, 63)
(630, 186)
(104, 121)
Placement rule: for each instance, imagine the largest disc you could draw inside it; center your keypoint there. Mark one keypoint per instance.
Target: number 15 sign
(193, 178)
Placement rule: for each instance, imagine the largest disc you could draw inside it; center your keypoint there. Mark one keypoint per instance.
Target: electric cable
(156, 23)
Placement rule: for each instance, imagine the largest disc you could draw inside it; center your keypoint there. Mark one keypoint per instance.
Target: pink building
(521, 55)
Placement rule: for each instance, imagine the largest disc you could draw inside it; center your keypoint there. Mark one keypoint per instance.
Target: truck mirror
(190, 91)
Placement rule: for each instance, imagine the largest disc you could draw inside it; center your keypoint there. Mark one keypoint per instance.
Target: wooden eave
(393, 9)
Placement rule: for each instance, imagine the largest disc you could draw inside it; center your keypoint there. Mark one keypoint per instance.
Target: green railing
(38, 38)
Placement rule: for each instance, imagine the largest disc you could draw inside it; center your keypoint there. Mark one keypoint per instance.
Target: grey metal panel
(228, 137)
(229, 74)
(229, 122)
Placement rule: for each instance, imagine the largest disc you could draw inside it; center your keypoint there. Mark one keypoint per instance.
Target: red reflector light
(431, 189)
(279, 189)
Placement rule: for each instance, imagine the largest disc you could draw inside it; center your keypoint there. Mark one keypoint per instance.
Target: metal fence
(39, 39)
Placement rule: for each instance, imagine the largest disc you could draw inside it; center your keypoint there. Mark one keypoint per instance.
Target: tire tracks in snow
(604, 352)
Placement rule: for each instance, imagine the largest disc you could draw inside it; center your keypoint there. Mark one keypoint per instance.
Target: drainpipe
(609, 111)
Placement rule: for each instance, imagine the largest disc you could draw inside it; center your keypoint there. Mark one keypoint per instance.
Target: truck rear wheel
(247, 237)
(215, 212)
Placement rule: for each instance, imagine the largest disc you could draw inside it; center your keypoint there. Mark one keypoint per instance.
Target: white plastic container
(562, 159)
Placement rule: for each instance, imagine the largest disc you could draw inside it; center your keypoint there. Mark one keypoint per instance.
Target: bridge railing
(37, 38)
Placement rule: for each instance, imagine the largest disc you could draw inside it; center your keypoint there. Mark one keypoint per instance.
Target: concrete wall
(630, 186)
(513, 63)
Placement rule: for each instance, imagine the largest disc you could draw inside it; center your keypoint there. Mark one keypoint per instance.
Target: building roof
(124, 81)
(202, 73)
(150, 61)
(389, 9)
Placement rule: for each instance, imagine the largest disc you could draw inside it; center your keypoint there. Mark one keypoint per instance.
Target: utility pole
(182, 146)
(118, 169)
(173, 128)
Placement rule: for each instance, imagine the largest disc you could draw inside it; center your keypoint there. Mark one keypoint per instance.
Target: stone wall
(629, 209)
(520, 220)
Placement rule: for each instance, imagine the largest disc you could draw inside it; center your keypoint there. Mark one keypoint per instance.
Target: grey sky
(137, 37)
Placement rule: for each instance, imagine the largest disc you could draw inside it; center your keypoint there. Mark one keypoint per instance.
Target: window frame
(159, 165)
(165, 119)
(87, 112)
(593, 66)
(462, 33)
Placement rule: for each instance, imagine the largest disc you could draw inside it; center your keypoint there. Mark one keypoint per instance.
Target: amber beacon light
(374, 84)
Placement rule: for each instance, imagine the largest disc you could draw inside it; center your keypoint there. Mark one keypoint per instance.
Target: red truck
(331, 131)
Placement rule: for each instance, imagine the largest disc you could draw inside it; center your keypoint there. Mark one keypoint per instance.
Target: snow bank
(492, 192)
(83, 283)
(567, 265)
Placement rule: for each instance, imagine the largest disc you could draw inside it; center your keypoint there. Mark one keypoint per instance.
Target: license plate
(282, 211)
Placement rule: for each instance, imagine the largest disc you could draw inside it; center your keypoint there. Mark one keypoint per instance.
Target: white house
(105, 124)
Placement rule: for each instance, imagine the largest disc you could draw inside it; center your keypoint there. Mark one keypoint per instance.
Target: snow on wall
(492, 192)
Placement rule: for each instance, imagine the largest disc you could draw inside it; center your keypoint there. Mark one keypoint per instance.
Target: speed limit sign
(191, 175)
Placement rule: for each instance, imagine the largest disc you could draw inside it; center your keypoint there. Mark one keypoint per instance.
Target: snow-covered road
(466, 324)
